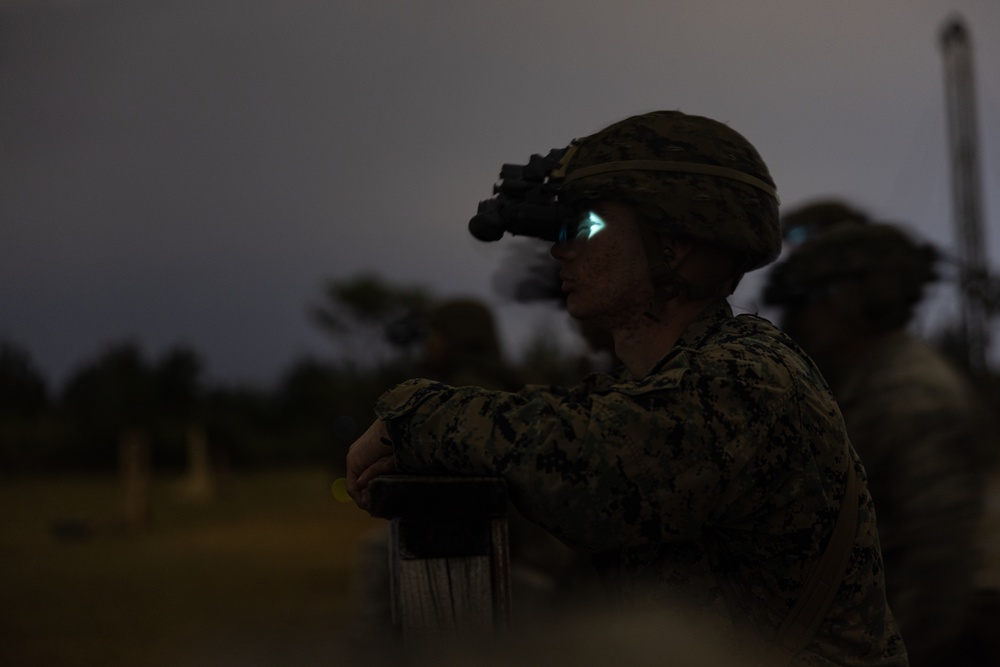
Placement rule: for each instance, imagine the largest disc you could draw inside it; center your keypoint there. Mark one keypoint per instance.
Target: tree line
(311, 415)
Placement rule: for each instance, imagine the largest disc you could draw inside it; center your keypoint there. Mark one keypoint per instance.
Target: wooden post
(198, 484)
(449, 561)
(133, 458)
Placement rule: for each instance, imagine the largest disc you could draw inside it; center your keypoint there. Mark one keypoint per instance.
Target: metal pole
(960, 99)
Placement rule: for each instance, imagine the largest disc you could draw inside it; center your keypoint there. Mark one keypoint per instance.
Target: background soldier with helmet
(712, 478)
(806, 222)
(461, 346)
(848, 294)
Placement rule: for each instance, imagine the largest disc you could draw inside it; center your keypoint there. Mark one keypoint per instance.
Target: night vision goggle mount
(528, 202)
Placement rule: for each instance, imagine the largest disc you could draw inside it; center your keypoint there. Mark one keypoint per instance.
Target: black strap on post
(449, 560)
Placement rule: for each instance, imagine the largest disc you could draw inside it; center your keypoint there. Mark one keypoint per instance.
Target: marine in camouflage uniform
(848, 295)
(706, 478)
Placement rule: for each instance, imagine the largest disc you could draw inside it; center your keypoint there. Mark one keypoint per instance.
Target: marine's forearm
(578, 467)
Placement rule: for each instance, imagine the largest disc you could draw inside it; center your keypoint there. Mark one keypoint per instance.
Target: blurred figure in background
(808, 221)
(848, 293)
(461, 347)
(597, 637)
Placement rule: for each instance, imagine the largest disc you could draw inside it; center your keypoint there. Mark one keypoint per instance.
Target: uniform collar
(695, 334)
(697, 331)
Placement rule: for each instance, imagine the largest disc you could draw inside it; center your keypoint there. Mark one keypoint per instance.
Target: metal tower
(960, 99)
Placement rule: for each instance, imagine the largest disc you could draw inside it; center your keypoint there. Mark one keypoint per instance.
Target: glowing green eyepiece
(585, 229)
(593, 226)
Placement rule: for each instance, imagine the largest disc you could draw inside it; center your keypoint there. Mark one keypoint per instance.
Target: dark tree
(107, 399)
(23, 390)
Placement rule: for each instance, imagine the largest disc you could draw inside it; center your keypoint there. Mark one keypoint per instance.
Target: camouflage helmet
(893, 266)
(687, 175)
(801, 224)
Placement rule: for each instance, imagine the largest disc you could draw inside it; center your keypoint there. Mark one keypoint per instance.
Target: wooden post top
(428, 498)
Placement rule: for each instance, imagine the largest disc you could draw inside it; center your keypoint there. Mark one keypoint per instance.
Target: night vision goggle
(528, 202)
(530, 199)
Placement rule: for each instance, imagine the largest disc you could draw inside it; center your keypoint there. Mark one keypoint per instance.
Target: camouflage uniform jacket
(714, 482)
(918, 426)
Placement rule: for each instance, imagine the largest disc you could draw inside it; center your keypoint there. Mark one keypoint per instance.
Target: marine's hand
(370, 455)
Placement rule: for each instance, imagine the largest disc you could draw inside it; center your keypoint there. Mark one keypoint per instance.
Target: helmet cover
(687, 175)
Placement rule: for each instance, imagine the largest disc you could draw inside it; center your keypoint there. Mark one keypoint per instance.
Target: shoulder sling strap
(820, 589)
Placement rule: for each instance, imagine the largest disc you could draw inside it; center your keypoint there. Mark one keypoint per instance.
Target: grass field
(258, 576)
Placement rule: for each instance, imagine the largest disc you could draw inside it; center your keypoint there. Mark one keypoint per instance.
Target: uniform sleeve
(621, 466)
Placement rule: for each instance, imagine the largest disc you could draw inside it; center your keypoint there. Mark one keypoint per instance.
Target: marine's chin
(576, 306)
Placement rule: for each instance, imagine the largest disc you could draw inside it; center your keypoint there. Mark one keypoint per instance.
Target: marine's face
(826, 322)
(605, 272)
(436, 352)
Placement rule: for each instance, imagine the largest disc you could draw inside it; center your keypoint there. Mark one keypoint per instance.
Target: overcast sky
(192, 171)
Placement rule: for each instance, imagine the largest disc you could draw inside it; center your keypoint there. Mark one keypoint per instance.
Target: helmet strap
(661, 272)
(667, 283)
